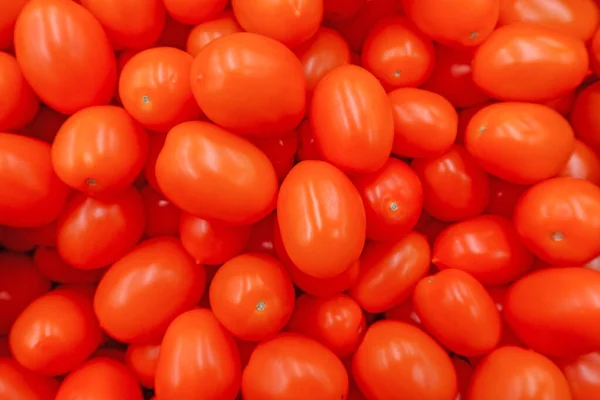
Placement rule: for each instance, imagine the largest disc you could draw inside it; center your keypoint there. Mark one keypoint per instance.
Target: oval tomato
(141, 360)
(584, 119)
(16, 382)
(584, 163)
(162, 217)
(583, 375)
(205, 32)
(18, 104)
(52, 266)
(192, 12)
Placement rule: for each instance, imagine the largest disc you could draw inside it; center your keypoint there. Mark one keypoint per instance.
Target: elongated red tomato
(584, 119)
(321, 219)
(517, 62)
(54, 43)
(18, 104)
(205, 32)
(142, 360)
(194, 170)
(16, 382)
(351, 119)
(583, 375)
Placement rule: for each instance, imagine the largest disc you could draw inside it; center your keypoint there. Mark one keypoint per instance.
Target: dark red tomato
(389, 272)
(10, 11)
(18, 104)
(398, 53)
(583, 375)
(162, 217)
(48, 262)
(455, 186)
(404, 312)
(156, 141)
(558, 220)
(157, 275)
(430, 227)
(93, 234)
(515, 373)
(464, 117)
(4, 347)
(54, 43)
(487, 247)
(293, 367)
(264, 71)
(99, 379)
(391, 351)
(261, 236)
(583, 164)
(141, 360)
(194, 170)
(508, 338)
(321, 219)
(17, 382)
(63, 324)
(307, 146)
(20, 283)
(393, 200)
(26, 239)
(584, 119)
(246, 350)
(36, 195)
(174, 34)
(280, 150)
(517, 61)
(197, 350)
(594, 52)
(45, 124)
(563, 104)
(504, 197)
(351, 120)
(192, 12)
(205, 32)
(464, 372)
(336, 10)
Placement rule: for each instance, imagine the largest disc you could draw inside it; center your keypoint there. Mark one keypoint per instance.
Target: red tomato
(193, 12)
(293, 367)
(555, 311)
(280, 150)
(63, 324)
(397, 53)
(455, 187)
(48, 262)
(10, 11)
(55, 41)
(155, 89)
(246, 350)
(594, 52)
(222, 25)
(517, 61)
(18, 104)
(464, 118)
(99, 379)
(583, 164)
(425, 123)
(141, 360)
(504, 197)
(403, 312)
(209, 366)
(321, 219)
(393, 200)
(464, 372)
(170, 284)
(156, 141)
(584, 119)
(498, 294)
(17, 382)
(519, 374)
(391, 352)
(583, 376)
(36, 195)
(563, 104)
(93, 234)
(351, 120)
(558, 220)
(307, 146)
(211, 173)
(262, 93)
(261, 236)
(487, 247)
(175, 34)
(45, 124)
(162, 217)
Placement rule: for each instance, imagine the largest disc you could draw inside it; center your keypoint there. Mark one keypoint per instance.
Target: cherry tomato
(18, 104)
(261, 236)
(162, 217)
(307, 146)
(17, 382)
(583, 375)
(141, 360)
(49, 264)
(321, 219)
(584, 163)
(584, 119)
(205, 32)
(504, 197)
(192, 12)
(280, 150)
(64, 77)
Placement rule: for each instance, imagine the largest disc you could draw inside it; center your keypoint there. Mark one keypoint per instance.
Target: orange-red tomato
(205, 32)
(55, 41)
(48, 262)
(584, 163)
(517, 61)
(520, 142)
(281, 150)
(504, 197)
(321, 219)
(17, 382)
(18, 104)
(141, 360)
(398, 53)
(385, 363)
(162, 217)
(198, 359)
(195, 171)
(583, 375)
(10, 11)
(157, 275)
(292, 367)
(584, 119)
(351, 120)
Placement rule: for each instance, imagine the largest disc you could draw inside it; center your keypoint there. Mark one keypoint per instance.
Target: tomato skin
(351, 120)
(18, 104)
(406, 349)
(264, 69)
(584, 163)
(16, 382)
(70, 331)
(162, 217)
(558, 220)
(201, 185)
(192, 12)
(10, 12)
(506, 72)
(487, 247)
(172, 284)
(583, 375)
(48, 262)
(584, 120)
(502, 374)
(320, 243)
(563, 104)
(273, 373)
(205, 32)
(64, 78)
(197, 372)
(141, 360)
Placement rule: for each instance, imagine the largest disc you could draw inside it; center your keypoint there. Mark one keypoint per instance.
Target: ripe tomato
(141, 360)
(498, 294)
(397, 53)
(487, 247)
(54, 43)
(584, 119)
(273, 371)
(261, 236)
(558, 220)
(209, 366)
(391, 351)
(93, 234)
(205, 32)
(63, 324)
(162, 217)
(155, 89)
(425, 123)
(100, 378)
(252, 296)
(10, 11)
(503, 374)
(18, 104)
(351, 120)
(280, 150)
(307, 146)
(211, 173)
(455, 187)
(337, 322)
(563, 104)
(172, 283)
(192, 12)
(17, 382)
(506, 71)
(584, 163)
(49, 264)
(583, 375)
(319, 241)
(504, 197)
(26, 239)
(262, 93)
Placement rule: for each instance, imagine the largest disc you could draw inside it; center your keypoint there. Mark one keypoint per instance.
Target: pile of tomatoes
(292, 200)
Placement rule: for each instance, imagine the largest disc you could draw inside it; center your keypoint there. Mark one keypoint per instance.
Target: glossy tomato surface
(207, 31)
